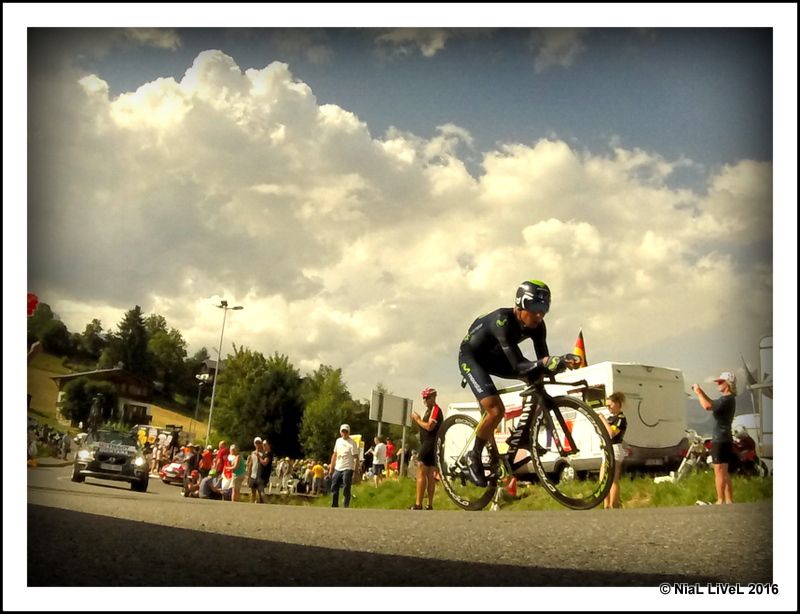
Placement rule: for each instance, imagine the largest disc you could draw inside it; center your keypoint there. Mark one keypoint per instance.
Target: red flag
(579, 349)
(33, 301)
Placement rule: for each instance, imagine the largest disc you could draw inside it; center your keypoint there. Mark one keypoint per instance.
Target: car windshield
(120, 439)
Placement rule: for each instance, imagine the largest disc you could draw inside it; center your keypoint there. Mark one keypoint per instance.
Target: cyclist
(490, 348)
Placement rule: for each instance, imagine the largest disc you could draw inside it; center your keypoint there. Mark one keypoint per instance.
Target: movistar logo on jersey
(501, 323)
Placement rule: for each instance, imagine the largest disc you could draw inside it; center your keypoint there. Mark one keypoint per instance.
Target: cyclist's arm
(540, 343)
(435, 417)
(523, 367)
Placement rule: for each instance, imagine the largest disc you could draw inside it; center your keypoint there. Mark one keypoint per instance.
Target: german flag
(579, 349)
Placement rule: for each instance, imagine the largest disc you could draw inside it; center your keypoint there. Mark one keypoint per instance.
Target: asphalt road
(100, 533)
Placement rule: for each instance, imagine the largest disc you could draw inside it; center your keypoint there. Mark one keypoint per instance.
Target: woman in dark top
(722, 438)
(616, 424)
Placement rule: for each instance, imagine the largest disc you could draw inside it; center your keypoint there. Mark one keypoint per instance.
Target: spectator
(255, 463)
(308, 477)
(222, 455)
(266, 463)
(326, 481)
(378, 460)
(210, 487)
(190, 461)
(284, 471)
(191, 487)
(723, 410)
(369, 460)
(237, 467)
(616, 424)
(64, 446)
(390, 448)
(413, 464)
(402, 461)
(428, 428)
(156, 459)
(319, 472)
(206, 462)
(343, 464)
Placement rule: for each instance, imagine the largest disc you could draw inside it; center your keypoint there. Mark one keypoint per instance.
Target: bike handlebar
(581, 382)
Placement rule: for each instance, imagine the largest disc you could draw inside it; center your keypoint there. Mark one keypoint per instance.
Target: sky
(364, 193)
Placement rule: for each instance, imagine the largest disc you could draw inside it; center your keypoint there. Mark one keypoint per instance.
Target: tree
(93, 340)
(55, 338)
(155, 323)
(259, 396)
(328, 405)
(167, 351)
(129, 345)
(186, 383)
(43, 323)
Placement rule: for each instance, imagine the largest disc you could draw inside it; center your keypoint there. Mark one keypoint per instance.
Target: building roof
(116, 375)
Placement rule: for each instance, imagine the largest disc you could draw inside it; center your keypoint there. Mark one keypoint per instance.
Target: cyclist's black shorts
(477, 375)
(426, 454)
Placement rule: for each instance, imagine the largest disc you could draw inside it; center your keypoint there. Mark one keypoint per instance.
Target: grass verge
(636, 492)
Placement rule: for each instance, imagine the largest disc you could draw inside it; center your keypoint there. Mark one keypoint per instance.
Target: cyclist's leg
(492, 409)
(482, 386)
(493, 412)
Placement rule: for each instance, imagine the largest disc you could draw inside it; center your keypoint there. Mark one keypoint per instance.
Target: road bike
(569, 447)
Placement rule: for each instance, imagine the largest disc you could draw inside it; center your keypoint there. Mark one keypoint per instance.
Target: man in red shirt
(206, 462)
(390, 448)
(222, 456)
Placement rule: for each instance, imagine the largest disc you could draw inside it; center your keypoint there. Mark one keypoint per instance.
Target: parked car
(172, 473)
(111, 455)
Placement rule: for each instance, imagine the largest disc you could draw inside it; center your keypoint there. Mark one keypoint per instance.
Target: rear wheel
(593, 454)
(456, 437)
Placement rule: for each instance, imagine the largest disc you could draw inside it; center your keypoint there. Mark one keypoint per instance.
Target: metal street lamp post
(224, 306)
(201, 378)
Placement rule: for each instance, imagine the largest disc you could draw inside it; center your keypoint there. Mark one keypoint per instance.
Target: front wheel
(589, 455)
(455, 438)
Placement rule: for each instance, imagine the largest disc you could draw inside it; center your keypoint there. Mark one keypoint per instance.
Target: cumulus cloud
(405, 41)
(372, 253)
(556, 47)
(312, 44)
(164, 38)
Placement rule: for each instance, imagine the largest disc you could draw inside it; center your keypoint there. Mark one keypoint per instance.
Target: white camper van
(655, 408)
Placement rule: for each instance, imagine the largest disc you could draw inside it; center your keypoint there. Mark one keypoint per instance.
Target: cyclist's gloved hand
(555, 364)
(573, 361)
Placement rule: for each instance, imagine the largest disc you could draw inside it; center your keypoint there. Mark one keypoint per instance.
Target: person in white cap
(343, 464)
(723, 410)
